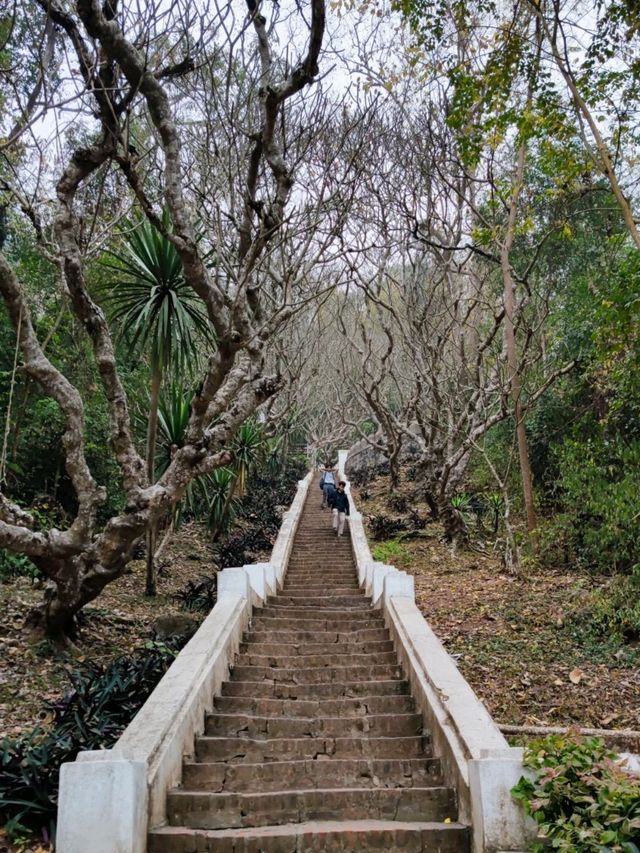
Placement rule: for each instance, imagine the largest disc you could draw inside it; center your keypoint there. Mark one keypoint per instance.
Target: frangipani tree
(131, 66)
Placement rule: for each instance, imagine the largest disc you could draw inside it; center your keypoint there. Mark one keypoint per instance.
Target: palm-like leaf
(247, 445)
(272, 451)
(150, 301)
(218, 487)
(173, 418)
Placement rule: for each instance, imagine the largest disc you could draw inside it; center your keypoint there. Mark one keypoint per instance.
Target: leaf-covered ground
(118, 621)
(523, 642)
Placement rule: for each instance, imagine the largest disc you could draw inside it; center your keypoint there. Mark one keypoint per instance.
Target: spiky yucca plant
(159, 315)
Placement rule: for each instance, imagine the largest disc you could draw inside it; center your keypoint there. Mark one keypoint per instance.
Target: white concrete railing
(476, 758)
(108, 799)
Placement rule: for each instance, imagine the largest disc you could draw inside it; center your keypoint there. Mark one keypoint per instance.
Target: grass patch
(392, 551)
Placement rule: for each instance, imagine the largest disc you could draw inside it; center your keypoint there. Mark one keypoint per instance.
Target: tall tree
(127, 72)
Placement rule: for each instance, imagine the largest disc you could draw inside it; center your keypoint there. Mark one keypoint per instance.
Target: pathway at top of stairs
(315, 743)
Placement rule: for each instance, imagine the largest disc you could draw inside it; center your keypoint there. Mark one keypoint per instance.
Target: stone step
(383, 672)
(346, 706)
(326, 553)
(354, 599)
(302, 661)
(305, 591)
(330, 690)
(326, 556)
(255, 727)
(318, 557)
(367, 635)
(318, 561)
(313, 572)
(217, 776)
(206, 810)
(321, 562)
(353, 619)
(302, 648)
(317, 577)
(251, 751)
(318, 582)
(356, 613)
(318, 566)
(316, 837)
(316, 586)
(328, 600)
(275, 622)
(319, 531)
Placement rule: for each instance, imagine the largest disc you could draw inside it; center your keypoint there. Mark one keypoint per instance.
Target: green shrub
(198, 596)
(581, 798)
(611, 615)
(240, 548)
(398, 503)
(16, 566)
(600, 487)
(383, 527)
(102, 702)
(392, 552)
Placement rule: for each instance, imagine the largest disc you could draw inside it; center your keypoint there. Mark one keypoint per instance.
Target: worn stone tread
(328, 836)
(207, 810)
(250, 750)
(302, 661)
(351, 706)
(317, 675)
(217, 776)
(253, 726)
(366, 635)
(332, 689)
(273, 649)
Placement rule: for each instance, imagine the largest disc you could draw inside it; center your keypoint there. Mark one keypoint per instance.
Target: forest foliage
(215, 252)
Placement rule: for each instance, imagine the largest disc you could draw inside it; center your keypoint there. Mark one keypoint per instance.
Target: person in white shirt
(327, 484)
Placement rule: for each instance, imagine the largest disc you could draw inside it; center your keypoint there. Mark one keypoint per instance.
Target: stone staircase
(314, 744)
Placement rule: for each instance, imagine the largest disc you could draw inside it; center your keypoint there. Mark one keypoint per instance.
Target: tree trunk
(455, 529)
(432, 504)
(77, 583)
(394, 466)
(515, 383)
(152, 433)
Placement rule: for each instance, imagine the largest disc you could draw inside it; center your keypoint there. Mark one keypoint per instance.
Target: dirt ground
(513, 637)
(119, 620)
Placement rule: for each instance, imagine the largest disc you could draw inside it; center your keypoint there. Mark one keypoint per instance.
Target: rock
(167, 627)
(362, 457)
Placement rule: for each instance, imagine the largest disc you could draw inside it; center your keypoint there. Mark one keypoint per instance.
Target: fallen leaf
(576, 675)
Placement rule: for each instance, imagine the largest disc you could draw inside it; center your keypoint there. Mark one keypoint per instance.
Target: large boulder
(364, 459)
(174, 626)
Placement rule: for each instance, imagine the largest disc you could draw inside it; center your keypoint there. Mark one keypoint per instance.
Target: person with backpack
(340, 507)
(327, 484)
